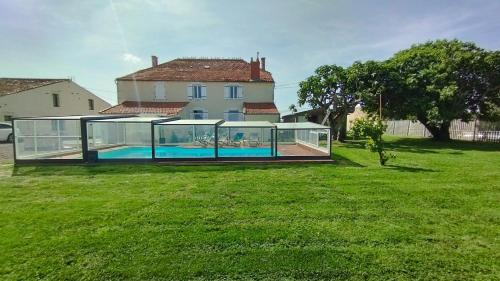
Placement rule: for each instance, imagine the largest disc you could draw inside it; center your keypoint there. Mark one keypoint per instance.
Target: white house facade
(229, 89)
(26, 97)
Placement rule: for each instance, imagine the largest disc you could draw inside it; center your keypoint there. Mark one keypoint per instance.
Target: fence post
(408, 130)
(474, 134)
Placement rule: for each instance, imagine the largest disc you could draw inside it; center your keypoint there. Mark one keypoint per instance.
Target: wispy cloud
(107, 39)
(127, 57)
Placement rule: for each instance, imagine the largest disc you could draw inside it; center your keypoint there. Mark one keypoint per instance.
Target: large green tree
(327, 90)
(434, 83)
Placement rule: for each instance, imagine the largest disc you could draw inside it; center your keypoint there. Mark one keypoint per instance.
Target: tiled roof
(158, 108)
(199, 70)
(260, 108)
(10, 86)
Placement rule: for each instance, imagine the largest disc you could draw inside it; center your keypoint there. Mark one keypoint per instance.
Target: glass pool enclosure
(82, 139)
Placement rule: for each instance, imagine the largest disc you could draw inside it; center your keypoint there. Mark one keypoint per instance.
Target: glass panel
(48, 139)
(245, 142)
(184, 141)
(305, 142)
(115, 140)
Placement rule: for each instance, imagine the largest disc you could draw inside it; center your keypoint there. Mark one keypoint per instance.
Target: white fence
(469, 131)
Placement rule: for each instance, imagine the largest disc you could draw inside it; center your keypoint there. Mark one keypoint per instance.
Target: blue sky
(95, 42)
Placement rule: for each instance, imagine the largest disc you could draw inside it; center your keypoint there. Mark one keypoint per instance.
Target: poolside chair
(201, 140)
(237, 139)
(254, 140)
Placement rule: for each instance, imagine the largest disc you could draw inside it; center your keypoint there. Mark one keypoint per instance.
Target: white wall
(215, 103)
(73, 100)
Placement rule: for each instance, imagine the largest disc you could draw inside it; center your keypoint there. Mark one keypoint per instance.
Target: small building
(312, 115)
(199, 88)
(357, 114)
(24, 97)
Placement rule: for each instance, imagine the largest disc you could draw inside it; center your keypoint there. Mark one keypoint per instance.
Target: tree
(326, 90)
(433, 83)
(372, 128)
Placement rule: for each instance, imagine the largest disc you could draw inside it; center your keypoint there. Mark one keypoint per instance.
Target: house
(357, 114)
(24, 97)
(312, 115)
(199, 88)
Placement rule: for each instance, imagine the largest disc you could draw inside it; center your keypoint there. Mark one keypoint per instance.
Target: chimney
(255, 69)
(154, 61)
(263, 63)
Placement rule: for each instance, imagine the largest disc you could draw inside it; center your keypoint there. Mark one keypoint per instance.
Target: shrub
(372, 128)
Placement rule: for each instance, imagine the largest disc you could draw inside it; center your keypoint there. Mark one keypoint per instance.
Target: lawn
(433, 213)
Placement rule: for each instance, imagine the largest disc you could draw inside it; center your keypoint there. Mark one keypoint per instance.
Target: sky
(95, 41)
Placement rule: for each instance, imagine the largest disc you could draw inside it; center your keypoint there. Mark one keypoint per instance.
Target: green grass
(433, 213)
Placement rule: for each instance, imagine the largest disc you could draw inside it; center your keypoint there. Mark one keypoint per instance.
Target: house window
(91, 104)
(197, 92)
(55, 100)
(233, 92)
(199, 114)
(7, 118)
(160, 91)
(232, 115)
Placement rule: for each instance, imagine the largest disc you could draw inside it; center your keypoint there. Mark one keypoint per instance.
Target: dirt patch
(6, 153)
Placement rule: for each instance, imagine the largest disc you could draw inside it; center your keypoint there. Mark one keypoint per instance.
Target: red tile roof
(199, 70)
(158, 108)
(260, 108)
(10, 86)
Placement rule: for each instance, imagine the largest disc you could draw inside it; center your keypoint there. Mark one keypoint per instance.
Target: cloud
(127, 57)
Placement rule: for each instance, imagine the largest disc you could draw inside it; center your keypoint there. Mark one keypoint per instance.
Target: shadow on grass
(424, 145)
(408, 169)
(342, 161)
(145, 168)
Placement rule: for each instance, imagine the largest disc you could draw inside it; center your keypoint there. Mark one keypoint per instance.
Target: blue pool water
(140, 152)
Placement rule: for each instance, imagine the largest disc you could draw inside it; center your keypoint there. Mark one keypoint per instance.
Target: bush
(372, 128)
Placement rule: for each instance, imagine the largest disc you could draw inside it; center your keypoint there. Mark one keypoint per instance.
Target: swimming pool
(144, 152)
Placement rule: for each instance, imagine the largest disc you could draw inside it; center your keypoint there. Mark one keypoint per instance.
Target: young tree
(434, 83)
(326, 90)
(372, 128)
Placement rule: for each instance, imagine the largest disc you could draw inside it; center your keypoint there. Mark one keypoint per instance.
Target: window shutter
(204, 92)
(227, 92)
(159, 91)
(190, 92)
(240, 92)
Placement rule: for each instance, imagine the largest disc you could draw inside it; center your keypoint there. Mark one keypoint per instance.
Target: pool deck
(285, 150)
(298, 150)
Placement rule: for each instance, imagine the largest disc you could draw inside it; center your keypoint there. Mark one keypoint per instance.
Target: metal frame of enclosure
(303, 140)
(116, 133)
(26, 133)
(131, 138)
(241, 135)
(185, 140)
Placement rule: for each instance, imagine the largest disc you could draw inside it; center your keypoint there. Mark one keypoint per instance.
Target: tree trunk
(439, 133)
(331, 123)
(341, 127)
(338, 125)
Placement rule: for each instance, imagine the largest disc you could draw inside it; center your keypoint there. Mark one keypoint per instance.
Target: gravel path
(6, 153)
